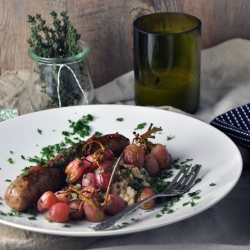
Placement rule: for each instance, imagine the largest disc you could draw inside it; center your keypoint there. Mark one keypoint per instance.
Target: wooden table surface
(106, 25)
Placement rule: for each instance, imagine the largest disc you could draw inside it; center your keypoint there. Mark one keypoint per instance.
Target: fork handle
(111, 221)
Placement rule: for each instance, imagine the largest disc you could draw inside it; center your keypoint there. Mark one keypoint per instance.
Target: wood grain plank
(106, 25)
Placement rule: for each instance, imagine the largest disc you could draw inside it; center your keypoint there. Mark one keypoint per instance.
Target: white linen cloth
(225, 84)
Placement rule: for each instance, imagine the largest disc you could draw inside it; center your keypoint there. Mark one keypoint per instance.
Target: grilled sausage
(26, 190)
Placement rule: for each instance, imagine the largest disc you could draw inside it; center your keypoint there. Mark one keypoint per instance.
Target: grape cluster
(89, 179)
(153, 158)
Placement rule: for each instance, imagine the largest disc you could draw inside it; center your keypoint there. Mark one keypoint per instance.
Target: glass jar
(60, 82)
(167, 60)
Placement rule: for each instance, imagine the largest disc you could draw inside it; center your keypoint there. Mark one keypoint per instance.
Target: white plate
(220, 159)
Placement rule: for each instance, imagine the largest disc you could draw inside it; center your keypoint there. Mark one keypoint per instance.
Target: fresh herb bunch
(58, 42)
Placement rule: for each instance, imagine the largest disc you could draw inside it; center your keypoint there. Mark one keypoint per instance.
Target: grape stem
(142, 139)
(111, 179)
(99, 154)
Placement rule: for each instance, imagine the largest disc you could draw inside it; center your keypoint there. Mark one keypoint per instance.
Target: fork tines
(185, 178)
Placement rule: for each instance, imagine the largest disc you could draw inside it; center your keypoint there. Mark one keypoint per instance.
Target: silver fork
(179, 185)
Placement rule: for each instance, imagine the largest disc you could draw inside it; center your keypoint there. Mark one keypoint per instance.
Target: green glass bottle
(167, 55)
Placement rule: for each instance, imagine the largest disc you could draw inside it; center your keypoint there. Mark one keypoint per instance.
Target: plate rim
(128, 230)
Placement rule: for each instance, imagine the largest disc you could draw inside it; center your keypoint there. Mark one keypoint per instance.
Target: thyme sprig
(60, 41)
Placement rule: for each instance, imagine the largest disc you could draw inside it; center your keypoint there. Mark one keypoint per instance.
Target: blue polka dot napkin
(235, 124)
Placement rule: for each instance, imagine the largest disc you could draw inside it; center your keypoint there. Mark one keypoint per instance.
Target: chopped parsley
(170, 137)
(11, 187)
(194, 196)
(98, 217)
(186, 203)
(197, 180)
(170, 211)
(149, 210)
(39, 131)
(2, 213)
(33, 217)
(25, 174)
(135, 220)
(14, 213)
(158, 215)
(10, 160)
(99, 171)
(26, 168)
(98, 133)
(141, 125)
(81, 126)
(187, 160)
(119, 119)
(65, 133)
(36, 159)
(66, 226)
(212, 184)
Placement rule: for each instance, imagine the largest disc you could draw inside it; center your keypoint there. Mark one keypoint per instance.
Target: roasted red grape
(147, 192)
(109, 155)
(108, 165)
(89, 180)
(117, 205)
(59, 212)
(75, 170)
(63, 196)
(151, 165)
(76, 209)
(102, 176)
(91, 164)
(134, 155)
(92, 214)
(162, 156)
(47, 200)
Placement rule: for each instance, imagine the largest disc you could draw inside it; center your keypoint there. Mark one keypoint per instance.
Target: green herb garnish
(32, 218)
(81, 127)
(170, 137)
(11, 187)
(67, 226)
(2, 213)
(25, 174)
(98, 133)
(26, 168)
(187, 160)
(197, 180)
(141, 125)
(14, 213)
(59, 41)
(10, 160)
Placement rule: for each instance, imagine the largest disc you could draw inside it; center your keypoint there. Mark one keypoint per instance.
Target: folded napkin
(13, 91)
(236, 124)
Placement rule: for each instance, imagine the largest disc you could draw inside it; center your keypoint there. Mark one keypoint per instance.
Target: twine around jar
(58, 83)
